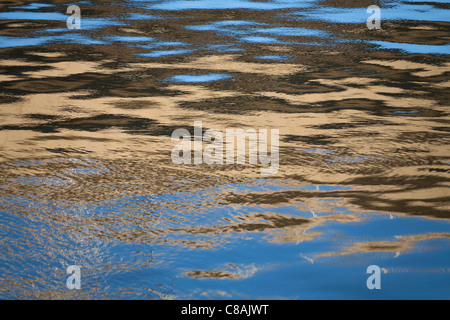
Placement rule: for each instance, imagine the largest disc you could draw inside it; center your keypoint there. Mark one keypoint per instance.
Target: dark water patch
(241, 105)
(47, 86)
(100, 122)
(312, 140)
(39, 116)
(67, 151)
(7, 99)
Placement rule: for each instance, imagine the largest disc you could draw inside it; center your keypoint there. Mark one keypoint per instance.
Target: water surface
(86, 176)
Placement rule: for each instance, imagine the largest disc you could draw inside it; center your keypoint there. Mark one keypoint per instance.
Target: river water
(87, 179)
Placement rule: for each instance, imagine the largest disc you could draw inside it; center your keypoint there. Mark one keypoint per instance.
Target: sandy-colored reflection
(228, 63)
(401, 244)
(427, 69)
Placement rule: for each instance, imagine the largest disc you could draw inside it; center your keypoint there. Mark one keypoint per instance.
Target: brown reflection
(402, 244)
(211, 274)
(278, 227)
(234, 272)
(425, 70)
(101, 122)
(229, 63)
(371, 92)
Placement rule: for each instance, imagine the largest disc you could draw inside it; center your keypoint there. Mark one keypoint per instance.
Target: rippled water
(86, 176)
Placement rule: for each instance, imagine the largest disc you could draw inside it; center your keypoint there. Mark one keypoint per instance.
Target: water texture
(87, 179)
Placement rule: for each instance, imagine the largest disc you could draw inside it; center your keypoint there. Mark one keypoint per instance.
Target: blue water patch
(256, 35)
(27, 15)
(162, 53)
(55, 30)
(226, 26)
(8, 42)
(177, 5)
(290, 31)
(33, 6)
(198, 78)
(225, 23)
(218, 25)
(321, 187)
(22, 163)
(86, 23)
(413, 48)
(141, 16)
(79, 39)
(307, 213)
(96, 23)
(422, 12)
(237, 29)
(406, 111)
(273, 57)
(256, 39)
(133, 39)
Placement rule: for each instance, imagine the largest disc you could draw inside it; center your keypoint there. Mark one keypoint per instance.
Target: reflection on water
(87, 179)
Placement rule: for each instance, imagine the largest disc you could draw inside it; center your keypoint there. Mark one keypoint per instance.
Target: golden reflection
(428, 70)
(299, 234)
(401, 244)
(375, 93)
(228, 63)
